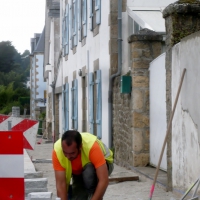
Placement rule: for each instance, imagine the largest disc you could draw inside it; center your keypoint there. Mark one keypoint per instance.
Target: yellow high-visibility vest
(87, 143)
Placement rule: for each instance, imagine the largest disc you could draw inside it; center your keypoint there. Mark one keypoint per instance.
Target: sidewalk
(129, 190)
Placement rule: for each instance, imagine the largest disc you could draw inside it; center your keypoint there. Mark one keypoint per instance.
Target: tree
(10, 97)
(8, 54)
(14, 71)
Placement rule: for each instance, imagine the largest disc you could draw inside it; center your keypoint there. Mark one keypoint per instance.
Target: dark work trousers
(84, 185)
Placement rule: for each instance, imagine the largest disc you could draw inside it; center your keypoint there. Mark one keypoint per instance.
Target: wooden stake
(122, 179)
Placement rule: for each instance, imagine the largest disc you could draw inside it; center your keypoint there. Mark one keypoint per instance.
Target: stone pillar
(113, 50)
(144, 47)
(181, 20)
(113, 43)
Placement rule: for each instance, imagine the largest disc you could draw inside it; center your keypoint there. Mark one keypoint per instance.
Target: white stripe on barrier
(28, 126)
(31, 138)
(11, 166)
(14, 120)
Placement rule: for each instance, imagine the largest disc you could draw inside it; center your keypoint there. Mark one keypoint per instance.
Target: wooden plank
(122, 179)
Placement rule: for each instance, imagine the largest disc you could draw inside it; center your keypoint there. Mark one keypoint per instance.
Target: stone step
(40, 195)
(35, 185)
(30, 190)
(37, 174)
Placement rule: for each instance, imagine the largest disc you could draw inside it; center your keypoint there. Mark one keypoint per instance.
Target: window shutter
(63, 109)
(75, 24)
(98, 11)
(91, 107)
(76, 104)
(84, 20)
(67, 30)
(74, 115)
(70, 27)
(79, 19)
(99, 105)
(66, 106)
(63, 33)
(91, 15)
(72, 104)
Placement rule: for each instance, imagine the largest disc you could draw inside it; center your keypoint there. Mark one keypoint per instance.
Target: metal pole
(9, 125)
(25, 112)
(53, 102)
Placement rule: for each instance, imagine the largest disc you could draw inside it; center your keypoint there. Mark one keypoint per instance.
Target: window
(95, 104)
(82, 19)
(74, 104)
(65, 31)
(136, 27)
(95, 13)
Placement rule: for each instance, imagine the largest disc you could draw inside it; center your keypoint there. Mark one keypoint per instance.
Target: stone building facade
(131, 111)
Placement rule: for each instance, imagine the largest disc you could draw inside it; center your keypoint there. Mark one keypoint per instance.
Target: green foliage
(7, 56)
(18, 79)
(40, 128)
(13, 64)
(8, 107)
(14, 71)
(6, 94)
(24, 100)
(11, 97)
(42, 116)
(189, 1)
(25, 103)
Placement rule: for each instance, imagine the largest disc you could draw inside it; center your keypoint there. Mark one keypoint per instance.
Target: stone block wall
(131, 111)
(122, 126)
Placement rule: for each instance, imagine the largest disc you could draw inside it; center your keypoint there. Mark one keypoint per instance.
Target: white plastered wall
(158, 121)
(185, 125)
(40, 81)
(95, 48)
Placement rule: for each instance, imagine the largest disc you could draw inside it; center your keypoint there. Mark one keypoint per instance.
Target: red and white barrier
(27, 126)
(11, 165)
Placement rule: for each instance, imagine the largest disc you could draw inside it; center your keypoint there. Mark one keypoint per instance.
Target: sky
(19, 20)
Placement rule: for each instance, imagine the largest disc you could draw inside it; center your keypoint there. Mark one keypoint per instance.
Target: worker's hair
(72, 136)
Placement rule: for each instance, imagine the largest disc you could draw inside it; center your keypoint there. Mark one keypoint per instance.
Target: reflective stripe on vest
(87, 143)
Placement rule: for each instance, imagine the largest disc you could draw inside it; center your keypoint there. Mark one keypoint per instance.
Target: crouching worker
(87, 161)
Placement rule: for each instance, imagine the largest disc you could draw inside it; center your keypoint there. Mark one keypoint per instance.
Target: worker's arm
(102, 174)
(61, 185)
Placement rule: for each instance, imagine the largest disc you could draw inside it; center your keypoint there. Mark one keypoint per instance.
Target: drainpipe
(53, 109)
(110, 92)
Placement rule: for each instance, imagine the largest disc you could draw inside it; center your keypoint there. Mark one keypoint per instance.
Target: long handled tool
(190, 188)
(167, 133)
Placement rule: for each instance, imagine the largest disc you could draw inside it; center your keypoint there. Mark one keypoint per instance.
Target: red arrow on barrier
(23, 126)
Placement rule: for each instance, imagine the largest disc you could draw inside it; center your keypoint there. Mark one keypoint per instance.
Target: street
(129, 190)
